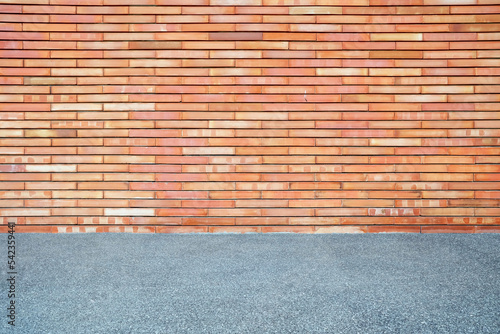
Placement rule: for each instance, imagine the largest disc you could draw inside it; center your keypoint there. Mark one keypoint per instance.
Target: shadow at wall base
(308, 229)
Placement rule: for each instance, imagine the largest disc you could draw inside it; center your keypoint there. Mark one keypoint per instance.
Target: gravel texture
(255, 283)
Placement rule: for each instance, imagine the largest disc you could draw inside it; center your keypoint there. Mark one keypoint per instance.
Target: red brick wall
(250, 115)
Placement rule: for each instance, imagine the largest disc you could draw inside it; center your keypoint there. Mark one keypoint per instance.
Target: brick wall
(250, 115)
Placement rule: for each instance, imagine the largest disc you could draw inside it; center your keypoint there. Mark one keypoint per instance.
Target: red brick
(447, 229)
(287, 229)
(487, 229)
(209, 221)
(181, 229)
(234, 229)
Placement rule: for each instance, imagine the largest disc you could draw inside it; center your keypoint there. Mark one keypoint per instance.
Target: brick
(234, 229)
(76, 2)
(261, 10)
(183, 212)
(395, 142)
(11, 8)
(128, 18)
(292, 36)
(396, 37)
(128, 212)
(23, 54)
(487, 229)
(395, 72)
(396, 54)
(341, 212)
(369, 45)
(7, 26)
(182, 194)
(260, 27)
(24, 212)
(447, 211)
(287, 229)
(208, 221)
(181, 229)
(310, 10)
(102, 10)
(76, 54)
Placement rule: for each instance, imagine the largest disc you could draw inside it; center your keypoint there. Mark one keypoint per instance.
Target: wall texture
(250, 115)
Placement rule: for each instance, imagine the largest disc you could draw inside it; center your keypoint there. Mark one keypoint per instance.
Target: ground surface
(274, 283)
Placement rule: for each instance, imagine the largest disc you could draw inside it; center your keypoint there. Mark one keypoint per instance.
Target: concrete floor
(255, 283)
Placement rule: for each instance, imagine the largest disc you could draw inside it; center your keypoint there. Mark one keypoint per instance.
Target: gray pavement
(254, 283)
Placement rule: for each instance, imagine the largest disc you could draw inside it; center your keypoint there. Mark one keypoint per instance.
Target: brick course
(250, 115)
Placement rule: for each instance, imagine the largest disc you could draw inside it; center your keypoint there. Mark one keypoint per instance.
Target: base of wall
(256, 229)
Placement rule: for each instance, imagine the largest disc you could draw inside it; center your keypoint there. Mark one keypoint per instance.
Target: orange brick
(288, 36)
(210, 221)
(181, 229)
(234, 229)
(396, 54)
